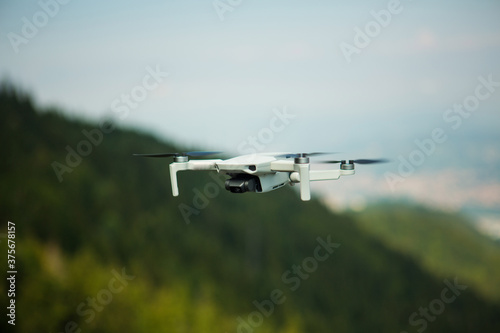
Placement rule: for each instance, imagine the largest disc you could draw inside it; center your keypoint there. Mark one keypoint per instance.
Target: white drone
(262, 172)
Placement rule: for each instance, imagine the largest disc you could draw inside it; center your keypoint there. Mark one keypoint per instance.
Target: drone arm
(325, 174)
(283, 165)
(190, 165)
(304, 176)
(321, 175)
(202, 165)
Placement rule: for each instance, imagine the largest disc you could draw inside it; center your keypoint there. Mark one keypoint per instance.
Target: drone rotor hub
(301, 160)
(181, 158)
(347, 165)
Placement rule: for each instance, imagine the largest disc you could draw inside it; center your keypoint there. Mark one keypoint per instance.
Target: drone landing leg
(174, 167)
(173, 180)
(305, 190)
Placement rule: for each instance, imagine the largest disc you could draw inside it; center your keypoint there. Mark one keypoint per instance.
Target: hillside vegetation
(106, 248)
(443, 244)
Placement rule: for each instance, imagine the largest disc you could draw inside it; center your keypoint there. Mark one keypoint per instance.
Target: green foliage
(444, 244)
(114, 212)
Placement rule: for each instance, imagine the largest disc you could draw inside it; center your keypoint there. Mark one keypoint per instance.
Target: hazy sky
(368, 77)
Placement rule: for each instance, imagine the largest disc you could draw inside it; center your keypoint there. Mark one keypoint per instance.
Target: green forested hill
(107, 249)
(442, 243)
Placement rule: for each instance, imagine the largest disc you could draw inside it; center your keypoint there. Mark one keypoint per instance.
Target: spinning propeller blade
(295, 155)
(189, 153)
(360, 161)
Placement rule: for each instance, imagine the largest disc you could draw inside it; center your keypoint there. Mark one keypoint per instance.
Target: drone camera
(242, 184)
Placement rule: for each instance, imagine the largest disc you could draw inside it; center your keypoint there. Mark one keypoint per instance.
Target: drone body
(260, 172)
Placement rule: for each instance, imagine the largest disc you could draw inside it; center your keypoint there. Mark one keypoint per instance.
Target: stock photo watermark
(250, 146)
(453, 117)
(121, 106)
(201, 199)
(258, 142)
(138, 93)
(31, 26)
(103, 297)
(292, 279)
(11, 271)
(381, 19)
(224, 6)
(436, 307)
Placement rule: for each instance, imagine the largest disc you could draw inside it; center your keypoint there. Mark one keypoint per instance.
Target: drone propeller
(360, 161)
(189, 153)
(297, 155)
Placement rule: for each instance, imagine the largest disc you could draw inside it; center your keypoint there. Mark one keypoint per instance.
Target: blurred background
(415, 82)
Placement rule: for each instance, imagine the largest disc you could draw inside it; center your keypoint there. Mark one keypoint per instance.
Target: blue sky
(225, 77)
